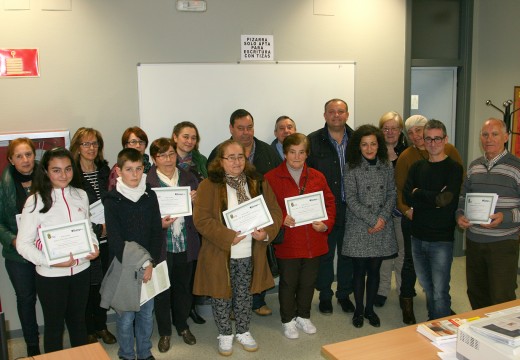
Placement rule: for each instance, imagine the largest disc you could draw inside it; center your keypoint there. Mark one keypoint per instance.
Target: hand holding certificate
(174, 201)
(60, 241)
(248, 216)
(307, 208)
(479, 206)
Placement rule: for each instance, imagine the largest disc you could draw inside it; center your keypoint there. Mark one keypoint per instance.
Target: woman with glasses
(391, 123)
(369, 236)
(133, 137)
(15, 187)
(87, 149)
(182, 244)
(186, 137)
(57, 199)
(232, 266)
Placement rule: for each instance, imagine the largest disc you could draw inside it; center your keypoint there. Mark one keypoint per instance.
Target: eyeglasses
(88, 144)
(391, 130)
(436, 140)
(168, 156)
(136, 142)
(233, 158)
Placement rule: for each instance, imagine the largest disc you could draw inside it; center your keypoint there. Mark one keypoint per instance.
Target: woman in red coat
(299, 254)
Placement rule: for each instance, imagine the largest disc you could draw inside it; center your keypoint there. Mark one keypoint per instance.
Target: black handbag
(271, 259)
(279, 237)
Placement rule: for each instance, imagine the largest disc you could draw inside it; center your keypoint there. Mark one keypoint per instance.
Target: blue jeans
(143, 332)
(432, 262)
(23, 278)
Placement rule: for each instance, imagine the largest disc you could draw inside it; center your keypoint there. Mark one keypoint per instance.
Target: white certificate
(479, 206)
(174, 201)
(248, 216)
(306, 208)
(97, 212)
(160, 281)
(60, 241)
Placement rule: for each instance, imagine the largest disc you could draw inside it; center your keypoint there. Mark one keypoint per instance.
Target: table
(398, 344)
(86, 352)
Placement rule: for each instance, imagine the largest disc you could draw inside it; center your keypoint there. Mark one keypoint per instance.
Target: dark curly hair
(42, 183)
(353, 148)
(215, 170)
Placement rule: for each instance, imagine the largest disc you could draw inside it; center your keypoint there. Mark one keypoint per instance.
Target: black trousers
(63, 300)
(408, 277)
(173, 305)
(296, 287)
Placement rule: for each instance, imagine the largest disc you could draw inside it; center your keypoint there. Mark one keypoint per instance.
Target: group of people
(393, 195)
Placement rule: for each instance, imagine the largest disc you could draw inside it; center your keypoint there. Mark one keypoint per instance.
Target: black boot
(407, 306)
(197, 319)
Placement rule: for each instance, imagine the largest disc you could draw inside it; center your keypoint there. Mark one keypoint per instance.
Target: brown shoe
(263, 311)
(106, 336)
(407, 306)
(188, 337)
(91, 339)
(164, 344)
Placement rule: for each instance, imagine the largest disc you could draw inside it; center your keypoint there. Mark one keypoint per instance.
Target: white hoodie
(68, 205)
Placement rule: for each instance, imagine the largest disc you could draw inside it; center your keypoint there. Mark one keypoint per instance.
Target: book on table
(439, 331)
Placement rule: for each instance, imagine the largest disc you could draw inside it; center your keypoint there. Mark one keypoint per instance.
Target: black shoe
(148, 358)
(379, 301)
(194, 315)
(91, 339)
(325, 307)
(188, 337)
(164, 344)
(373, 319)
(357, 320)
(33, 350)
(106, 336)
(346, 305)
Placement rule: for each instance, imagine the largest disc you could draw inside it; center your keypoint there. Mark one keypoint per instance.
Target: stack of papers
(440, 331)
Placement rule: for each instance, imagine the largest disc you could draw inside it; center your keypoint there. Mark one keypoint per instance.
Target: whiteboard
(207, 93)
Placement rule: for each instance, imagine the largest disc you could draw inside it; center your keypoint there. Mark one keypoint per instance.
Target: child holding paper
(133, 218)
(62, 288)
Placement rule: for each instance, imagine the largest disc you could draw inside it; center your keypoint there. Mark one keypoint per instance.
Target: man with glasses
(492, 249)
(263, 157)
(432, 189)
(417, 151)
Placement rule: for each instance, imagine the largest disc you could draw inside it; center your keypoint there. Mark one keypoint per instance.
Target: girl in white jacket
(62, 288)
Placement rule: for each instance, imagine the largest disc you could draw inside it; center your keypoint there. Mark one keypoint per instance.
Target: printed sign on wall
(19, 63)
(257, 47)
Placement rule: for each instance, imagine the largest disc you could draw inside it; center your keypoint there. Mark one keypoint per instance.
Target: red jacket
(302, 241)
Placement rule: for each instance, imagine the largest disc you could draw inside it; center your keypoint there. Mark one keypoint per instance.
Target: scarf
(185, 163)
(173, 182)
(238, 183)
(133, 194)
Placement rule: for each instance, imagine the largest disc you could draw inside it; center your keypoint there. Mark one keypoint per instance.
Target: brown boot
(407, 306)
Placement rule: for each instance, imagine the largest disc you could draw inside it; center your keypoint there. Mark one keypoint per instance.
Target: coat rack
(506, 115)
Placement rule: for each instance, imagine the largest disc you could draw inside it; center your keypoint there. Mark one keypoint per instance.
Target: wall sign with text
(19, 63)
(257, 47)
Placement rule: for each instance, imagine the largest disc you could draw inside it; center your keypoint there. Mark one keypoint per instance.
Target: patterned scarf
(238, 183)
(185, 163)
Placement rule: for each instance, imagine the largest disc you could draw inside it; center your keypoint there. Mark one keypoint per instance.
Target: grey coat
(370, 194)
(121, 287)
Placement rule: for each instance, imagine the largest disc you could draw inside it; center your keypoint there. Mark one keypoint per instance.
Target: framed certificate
(306, 208)
(248, 216)
(60, 241)
(479, 206)
(97, 212)
(174, 201)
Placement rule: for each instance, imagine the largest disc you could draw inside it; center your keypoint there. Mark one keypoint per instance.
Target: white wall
(496, 66)
(88, 59)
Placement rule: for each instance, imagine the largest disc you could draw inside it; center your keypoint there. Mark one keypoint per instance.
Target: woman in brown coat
(231, 266)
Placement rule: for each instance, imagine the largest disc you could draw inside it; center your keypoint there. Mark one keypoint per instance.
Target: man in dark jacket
(328, 149)
(263, 157)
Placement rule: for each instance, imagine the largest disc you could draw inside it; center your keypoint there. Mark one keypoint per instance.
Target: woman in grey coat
(369, 233)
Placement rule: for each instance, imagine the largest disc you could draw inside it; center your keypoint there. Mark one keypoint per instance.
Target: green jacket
(201, 161)
(8, 211)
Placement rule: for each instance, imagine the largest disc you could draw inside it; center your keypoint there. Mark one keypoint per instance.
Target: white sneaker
(247, 341)
(225, 344)
(289, 330)
(306, 325)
